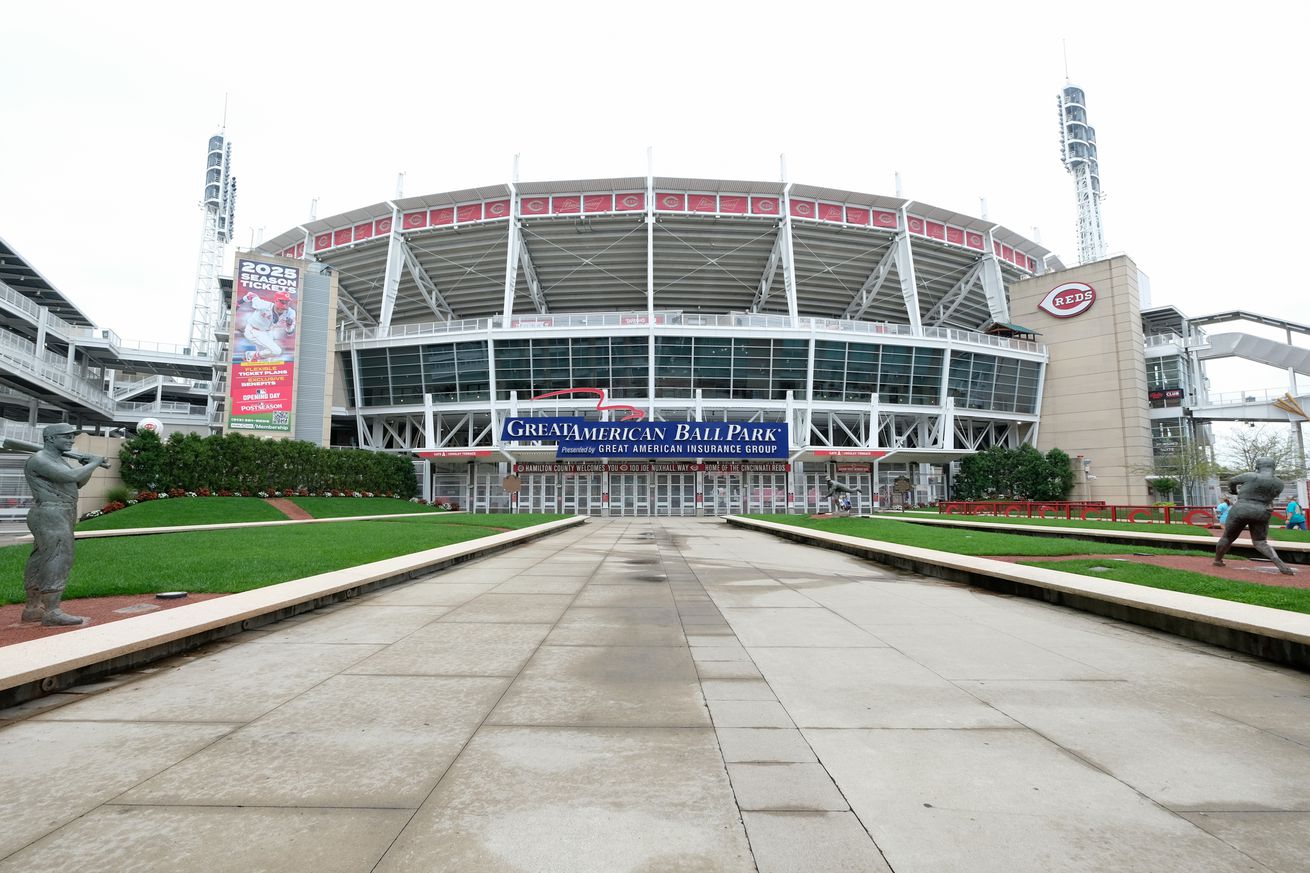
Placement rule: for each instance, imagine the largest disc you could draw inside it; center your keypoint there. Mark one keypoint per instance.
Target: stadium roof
(20, 275)
(580, 258)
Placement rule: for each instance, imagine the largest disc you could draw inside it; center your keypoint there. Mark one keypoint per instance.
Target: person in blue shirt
(1295, 515)
(1221, 510)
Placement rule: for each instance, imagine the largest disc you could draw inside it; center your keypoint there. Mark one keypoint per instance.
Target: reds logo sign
(1068, 300)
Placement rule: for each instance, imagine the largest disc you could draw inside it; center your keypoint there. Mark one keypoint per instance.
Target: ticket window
(675, 493)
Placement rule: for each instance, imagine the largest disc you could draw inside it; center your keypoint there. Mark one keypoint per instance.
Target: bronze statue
(836, 494)
(1255, 503)
(54, 485)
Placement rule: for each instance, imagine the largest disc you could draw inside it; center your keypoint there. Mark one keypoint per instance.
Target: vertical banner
(261, 380)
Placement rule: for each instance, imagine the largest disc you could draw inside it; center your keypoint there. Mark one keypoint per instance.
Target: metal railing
(102, 335)
(1165, 339)
(22, 355)
(1237, 398)
(160, 407)
(637, 319)
(1199, 516)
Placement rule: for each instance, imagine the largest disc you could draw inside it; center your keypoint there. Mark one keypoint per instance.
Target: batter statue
(264, 321)
(54, 486)
(1255, 503)
(836, 495)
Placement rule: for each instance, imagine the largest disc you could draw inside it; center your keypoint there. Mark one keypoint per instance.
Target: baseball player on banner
(266, 324)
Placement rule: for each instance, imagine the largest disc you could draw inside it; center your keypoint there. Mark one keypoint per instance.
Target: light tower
(219, 205)
(1078, 150)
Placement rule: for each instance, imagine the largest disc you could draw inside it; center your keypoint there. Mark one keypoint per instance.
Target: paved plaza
(650, 695)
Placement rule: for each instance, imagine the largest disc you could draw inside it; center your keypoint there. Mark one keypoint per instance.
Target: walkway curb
(1293, 552)
(39, 667)
(1273, 634)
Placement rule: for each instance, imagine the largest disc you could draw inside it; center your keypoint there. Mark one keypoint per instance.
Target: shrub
(118, 494)
(235, 463)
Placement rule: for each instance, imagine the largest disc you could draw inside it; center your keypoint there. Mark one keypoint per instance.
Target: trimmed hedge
(235, 462)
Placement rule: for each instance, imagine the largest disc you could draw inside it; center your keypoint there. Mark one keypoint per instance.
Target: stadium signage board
(1068, 300)
(262, 372)
(579, 438)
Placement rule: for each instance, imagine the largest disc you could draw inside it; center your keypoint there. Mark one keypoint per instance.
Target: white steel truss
(872, 285)
(952, 299)
(770, 271)
(426, 287)
(352, 312)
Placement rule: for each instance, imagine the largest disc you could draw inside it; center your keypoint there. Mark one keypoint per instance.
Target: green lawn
(342, 507)
(976, 542)
(1295, 599)
(181, 511)
(1275, 533)
(238, 560)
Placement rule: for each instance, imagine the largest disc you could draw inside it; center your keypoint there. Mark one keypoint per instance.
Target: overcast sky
(1199, 113)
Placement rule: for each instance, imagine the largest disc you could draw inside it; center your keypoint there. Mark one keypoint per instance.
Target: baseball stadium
(876, 328)
(656, 345)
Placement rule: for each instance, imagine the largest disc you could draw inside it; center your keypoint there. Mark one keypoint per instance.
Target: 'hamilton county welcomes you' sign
(577, 437)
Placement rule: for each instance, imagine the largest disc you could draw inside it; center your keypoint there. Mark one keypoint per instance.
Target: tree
(1164, 486)
(1020, 474)
(1239, 449)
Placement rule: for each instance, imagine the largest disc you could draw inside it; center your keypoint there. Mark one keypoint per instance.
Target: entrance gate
(580, 493)
(630, 494)
(723, 494)
(675, 493)
(766, 492)
(538, 494)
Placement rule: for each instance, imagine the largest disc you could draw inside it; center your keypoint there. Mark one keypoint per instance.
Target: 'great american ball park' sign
(579, 438)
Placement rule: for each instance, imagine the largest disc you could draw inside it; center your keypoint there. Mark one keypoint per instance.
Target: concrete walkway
(671, 695)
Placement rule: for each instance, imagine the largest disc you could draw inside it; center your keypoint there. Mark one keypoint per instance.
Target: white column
(391, 279)
(788, 260)
(905, 269)
(515, 240)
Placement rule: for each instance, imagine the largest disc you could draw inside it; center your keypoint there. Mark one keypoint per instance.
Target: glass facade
(851, 372)
(734, 368)
(739, 368)
(979, 381)
(1167, 435)
(450, 372)
(536, 366)
(1166, 380)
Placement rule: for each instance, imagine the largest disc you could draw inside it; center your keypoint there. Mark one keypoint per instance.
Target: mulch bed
(98, 609)
(1256, 572)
